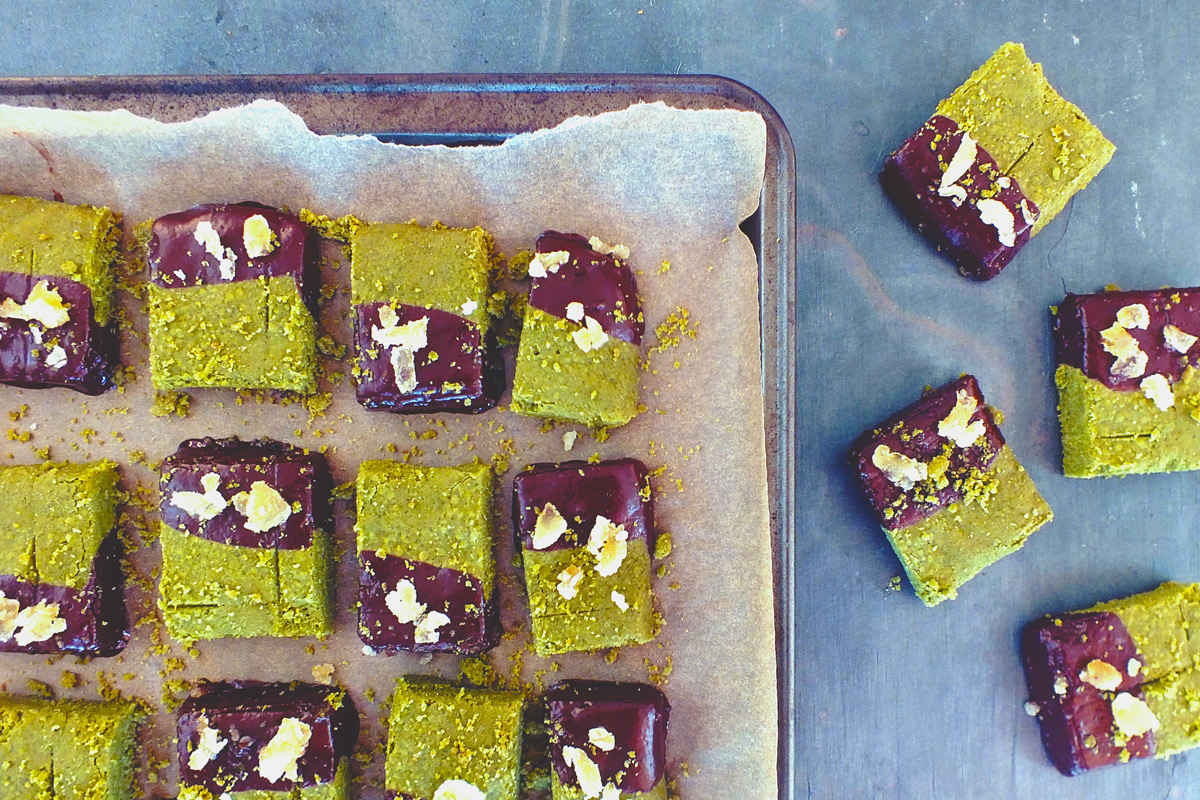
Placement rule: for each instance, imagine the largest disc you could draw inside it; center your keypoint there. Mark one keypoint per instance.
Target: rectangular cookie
(67, 749)
(1117, 681)
(586, 537)
(947, 490)
(422, 338)
(57, 312)
(581, 334)
(450, 742)
(241, 739)
(997, 161)
(61, 576)
(245, 540)
(233, 298)
(427, 556)
(1128, 389)
(607, 740)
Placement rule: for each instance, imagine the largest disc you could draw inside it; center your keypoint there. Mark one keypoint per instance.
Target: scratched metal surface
(893, 700)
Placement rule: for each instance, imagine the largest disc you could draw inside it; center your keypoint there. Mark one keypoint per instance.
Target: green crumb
(665, 266)
(478, 671)
(171, 404)
(894, 584)
(70, 679)
(343, 491)
(317, 404)
(663, 545)
(19, 436)
(611, 655)
(40, 689)
(15, 416)
(339, 228)
(671, 332)
(326, 346)
(518, 265)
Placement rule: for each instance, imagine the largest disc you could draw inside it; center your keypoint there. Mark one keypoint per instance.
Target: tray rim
(775, 243)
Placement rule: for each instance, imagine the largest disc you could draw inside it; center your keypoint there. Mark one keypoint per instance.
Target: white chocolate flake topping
(1060, 685)
(957, 426)
(575, 311)
(323, 673)
(207, 236)
(9, 609)
(38, 623)
(278, 757)
(960, 162)
(618, 250)
(590, 337)
(1177, 340)
(899, 468)
(256, 236)
(1133, 315)
(412, 335)
(587, 773)
(543, 263)
(458, 790)
(569, 440)
(404, 368)
(568, 582)
(999, 216)
(611, 792)
(1133, 667)
(263, 507)
(619, 600)
(1032, 708)
(549, 527)
(1131, 361)
(44, 305)
(56, 358)
(602, 738)
(402, 602)
(609, 544)
(203, 506)
(1101, 674)
(1132, 716)
(468, 307)
(1027, 213)
(427, 627)
(1158, 390)
(208, 747)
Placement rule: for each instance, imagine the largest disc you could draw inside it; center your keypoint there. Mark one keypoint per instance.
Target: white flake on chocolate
(458, 790)
(279, 757)
(602, 738)
(1132, 716)
(1158, 390)
(426, 631)
(38, 623)
(9, 609)
(568, 582)
(1028, 215)
(587, 773)
(899, 468)
(263, 507)
(412, 335)
(549, 527)
(256, 236)
(208, 747)
(56, 358)
(999, 216)
(960, 162)
(590, 337)
(181, 275)
(1177, 340)
(611, 792)
(1004, 182)
(35, 333)
(206, 235)
(43, 305)
(575, 311)
(1101, 674)
(402, 602)
(618, 250)
(609, 544)
(404, 367)
(203, 506)
(1133, 315)
(1060, 685)
(957, 425)
(543, 263)
(1131, 361)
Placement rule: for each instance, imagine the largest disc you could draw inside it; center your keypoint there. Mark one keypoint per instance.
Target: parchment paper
(671, 184)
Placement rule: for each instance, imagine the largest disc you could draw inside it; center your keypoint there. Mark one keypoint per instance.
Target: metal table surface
(892, 700)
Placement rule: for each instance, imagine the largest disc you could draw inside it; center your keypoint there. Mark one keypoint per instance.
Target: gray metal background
(893, 700)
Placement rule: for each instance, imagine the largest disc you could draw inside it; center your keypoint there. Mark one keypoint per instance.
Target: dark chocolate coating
(474, 619)
(618, 490)
(461, 359)
(92, 350)
(173, 247)
(913, 433)
(912, 175)
(97, 624)
(634, 713)
(602, 283)
(299, 475)
(1062, 647)
(1082, 317)
(248, 714)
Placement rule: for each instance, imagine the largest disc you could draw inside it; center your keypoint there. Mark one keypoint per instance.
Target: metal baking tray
(487, 109)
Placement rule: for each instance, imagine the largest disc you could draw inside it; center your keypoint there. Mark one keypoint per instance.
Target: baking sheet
(677, 209)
